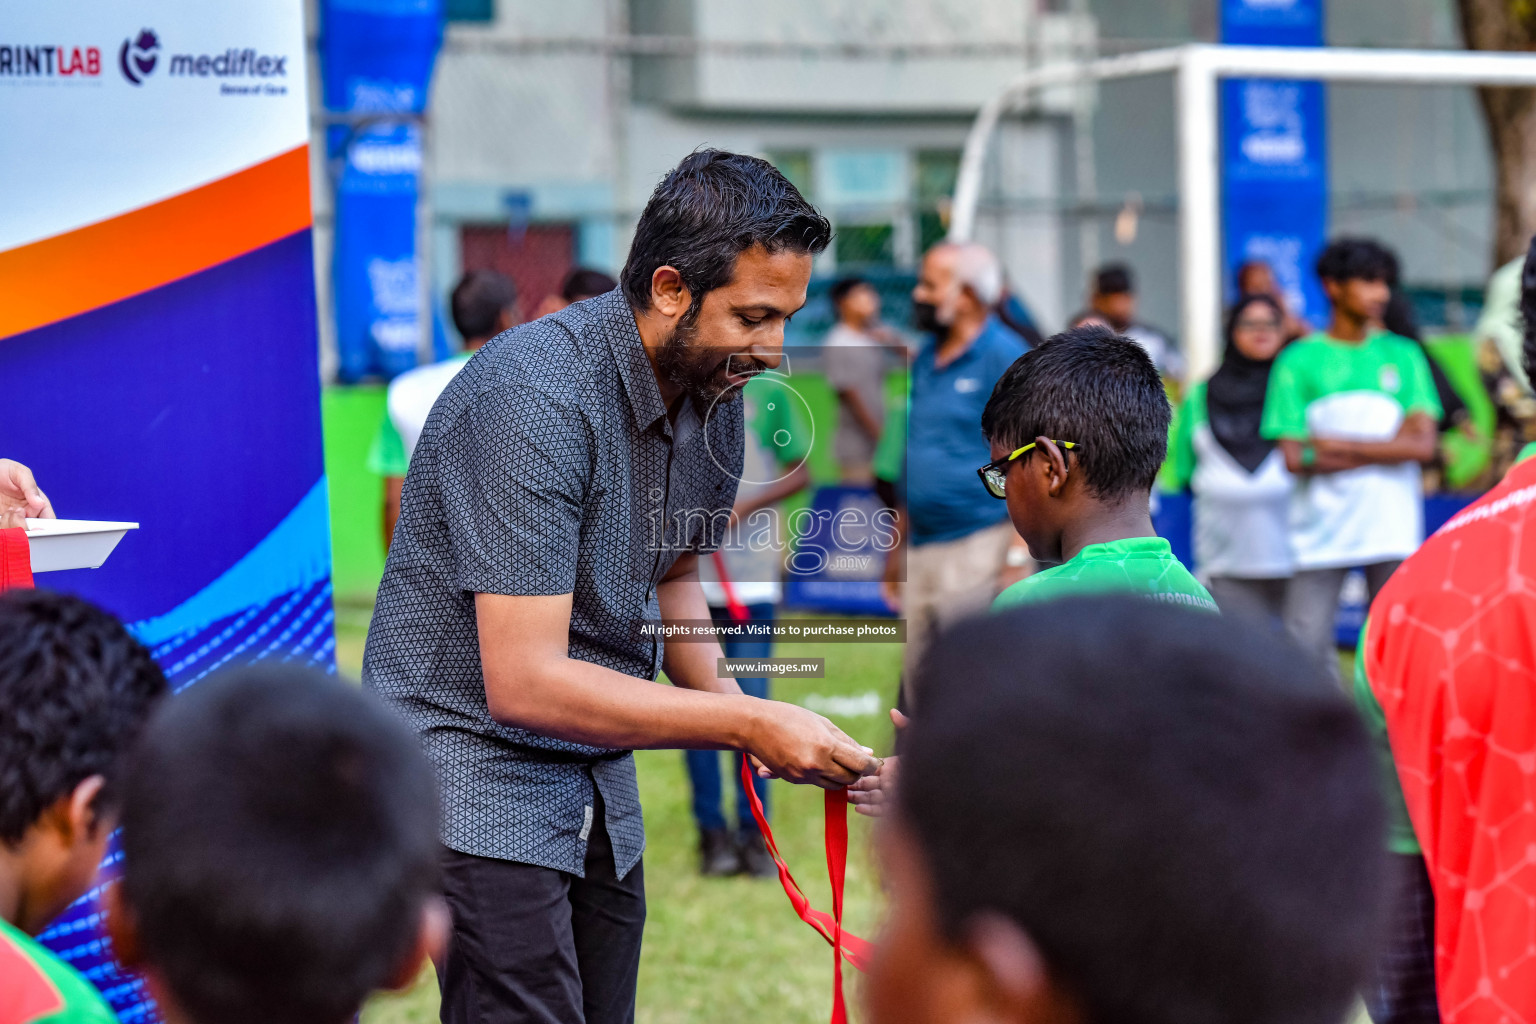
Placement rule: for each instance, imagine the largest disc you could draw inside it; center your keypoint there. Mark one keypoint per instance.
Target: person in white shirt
(484, 303)
(1353, 409)
(1241, 488)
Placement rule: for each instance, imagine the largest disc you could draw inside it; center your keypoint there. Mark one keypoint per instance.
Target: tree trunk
(1508, 25)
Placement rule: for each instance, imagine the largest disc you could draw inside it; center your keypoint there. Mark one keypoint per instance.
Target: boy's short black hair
(478, 300)
(586, 283)
(841, 287)
(1113, 279)
(1363, 259)
(280, 843)
(1092, 386)
(75, 687)
(1179, 810)
(707, 211)
(1528, 312)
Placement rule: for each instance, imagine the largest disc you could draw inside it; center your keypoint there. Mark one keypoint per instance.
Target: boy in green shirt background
(1078, 429)
(1353, 410)
(76, 688)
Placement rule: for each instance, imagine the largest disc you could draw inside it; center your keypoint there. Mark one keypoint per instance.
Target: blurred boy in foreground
(1157, 816)
(280, 852)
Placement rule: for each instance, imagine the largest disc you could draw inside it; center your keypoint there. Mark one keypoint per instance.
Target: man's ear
(121, 928)
(1015, 983)
(431, 943)
(79, 816)
(669, 295)
(1054, 465)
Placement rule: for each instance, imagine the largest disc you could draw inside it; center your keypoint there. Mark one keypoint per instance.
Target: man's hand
(20, 497)
(798, 745)
(871, 794)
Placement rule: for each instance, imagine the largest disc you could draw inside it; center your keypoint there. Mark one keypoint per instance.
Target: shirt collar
(983, 337)
(1128, 547)
(635, 370)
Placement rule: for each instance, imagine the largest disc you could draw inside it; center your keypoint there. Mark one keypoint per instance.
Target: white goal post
(1197, 67)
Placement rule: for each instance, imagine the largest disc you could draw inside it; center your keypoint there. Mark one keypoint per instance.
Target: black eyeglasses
(994, 475)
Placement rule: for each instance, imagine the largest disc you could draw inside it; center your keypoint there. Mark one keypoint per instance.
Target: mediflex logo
(230, 64)
(137, 57)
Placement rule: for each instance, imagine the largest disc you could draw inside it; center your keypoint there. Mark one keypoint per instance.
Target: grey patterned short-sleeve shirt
(548, 466)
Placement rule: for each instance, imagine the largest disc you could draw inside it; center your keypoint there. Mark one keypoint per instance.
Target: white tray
(72, 543)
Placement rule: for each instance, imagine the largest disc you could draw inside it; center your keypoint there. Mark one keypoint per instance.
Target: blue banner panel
(376, 58)
(1272, 22)
(377, 55)
(839, 555)
(376, 269)
(1275, 156)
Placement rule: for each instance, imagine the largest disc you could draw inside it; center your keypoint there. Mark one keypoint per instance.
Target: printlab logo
(138, 56)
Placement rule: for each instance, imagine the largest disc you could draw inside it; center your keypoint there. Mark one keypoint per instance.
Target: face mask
(925, 317)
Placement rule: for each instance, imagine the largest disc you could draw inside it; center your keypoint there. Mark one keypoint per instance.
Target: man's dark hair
(1178, 809)
(1113, 279)
(478, 300)
(841, 287)
(710, 209)
(280, 843)
(586, 283)
(75, 687)
(1362, 259)
(1092, 386)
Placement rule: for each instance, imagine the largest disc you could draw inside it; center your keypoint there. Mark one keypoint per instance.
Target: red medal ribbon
(15, 559)
(845, 945)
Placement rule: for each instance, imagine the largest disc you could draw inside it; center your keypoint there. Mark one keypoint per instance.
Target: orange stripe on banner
(94, 266)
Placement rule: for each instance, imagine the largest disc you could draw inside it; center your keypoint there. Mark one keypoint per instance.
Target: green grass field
(727, 949)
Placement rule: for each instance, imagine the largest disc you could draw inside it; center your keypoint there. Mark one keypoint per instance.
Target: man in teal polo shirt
(958, 551)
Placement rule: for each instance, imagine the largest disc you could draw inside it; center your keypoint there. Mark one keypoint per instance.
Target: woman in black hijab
(1238, 478)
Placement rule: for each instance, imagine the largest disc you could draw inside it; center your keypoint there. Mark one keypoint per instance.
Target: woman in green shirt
(1240, 484)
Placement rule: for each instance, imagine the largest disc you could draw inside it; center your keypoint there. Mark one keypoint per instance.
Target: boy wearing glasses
(1079, 429)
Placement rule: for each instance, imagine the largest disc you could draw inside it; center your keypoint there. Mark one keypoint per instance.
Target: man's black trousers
(532, 945)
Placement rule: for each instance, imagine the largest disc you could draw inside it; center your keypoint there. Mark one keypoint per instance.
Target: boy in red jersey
(1444, 674)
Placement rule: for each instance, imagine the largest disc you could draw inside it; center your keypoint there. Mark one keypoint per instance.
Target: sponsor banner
(1275, 156)
(376, 59)
(158, 337)
(377, 287)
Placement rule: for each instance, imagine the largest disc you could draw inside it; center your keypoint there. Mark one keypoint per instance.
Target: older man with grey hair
(958, 549)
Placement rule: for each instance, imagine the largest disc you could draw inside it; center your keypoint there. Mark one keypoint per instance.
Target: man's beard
(697, 371)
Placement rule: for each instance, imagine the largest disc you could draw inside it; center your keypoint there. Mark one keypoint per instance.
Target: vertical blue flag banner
(1275, 156)
(158, 336)
(376, 59)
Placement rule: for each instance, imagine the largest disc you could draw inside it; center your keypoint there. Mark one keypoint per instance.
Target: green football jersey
(36, 987)
(1140, 566)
